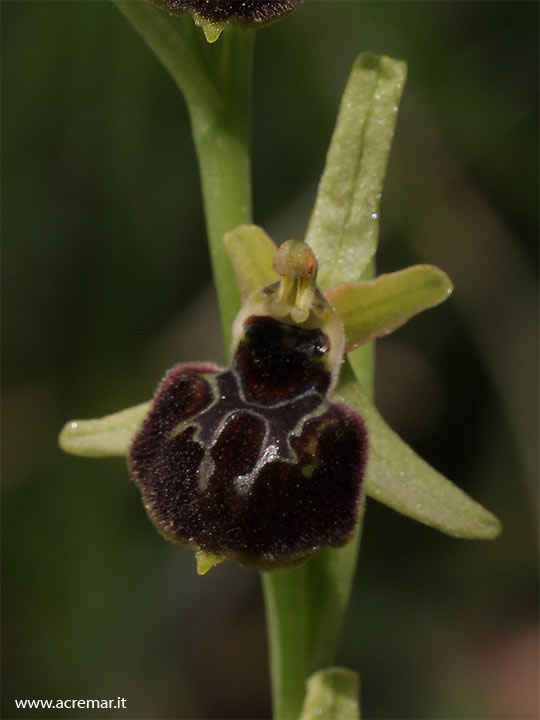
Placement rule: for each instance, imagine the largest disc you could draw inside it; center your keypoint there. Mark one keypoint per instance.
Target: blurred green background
(106, 283)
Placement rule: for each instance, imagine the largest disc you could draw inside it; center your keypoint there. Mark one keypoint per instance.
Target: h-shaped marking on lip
(229, 399)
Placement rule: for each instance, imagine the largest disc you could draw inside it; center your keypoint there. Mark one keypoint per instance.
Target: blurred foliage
(106, 284)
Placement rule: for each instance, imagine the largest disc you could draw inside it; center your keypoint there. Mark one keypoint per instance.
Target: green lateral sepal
(109, 436)
(399, 478)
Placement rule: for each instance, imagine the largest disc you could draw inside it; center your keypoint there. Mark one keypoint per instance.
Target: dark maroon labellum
(241, 12)
(253, 461)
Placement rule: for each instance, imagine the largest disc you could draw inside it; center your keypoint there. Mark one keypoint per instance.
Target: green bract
(344, 226)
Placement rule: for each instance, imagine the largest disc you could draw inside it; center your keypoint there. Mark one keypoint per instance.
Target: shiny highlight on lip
(253, 461)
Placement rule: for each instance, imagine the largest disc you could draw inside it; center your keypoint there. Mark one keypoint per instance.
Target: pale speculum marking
(253, 461)
(281, 421)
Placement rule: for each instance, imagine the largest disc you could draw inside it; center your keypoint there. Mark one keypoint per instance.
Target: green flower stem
(304, 609)
(216, 83)
(226, 187)
(223, 150)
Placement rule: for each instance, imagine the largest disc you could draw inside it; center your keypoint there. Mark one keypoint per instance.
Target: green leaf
(399, 478)
(251, 252)
(332, 695)
(108, 436)
(372, 309)
(343, 228)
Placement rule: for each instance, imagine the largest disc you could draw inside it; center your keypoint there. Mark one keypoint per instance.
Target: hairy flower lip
(255, 461)
(247, 13)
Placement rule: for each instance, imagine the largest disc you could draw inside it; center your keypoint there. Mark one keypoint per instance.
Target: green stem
(223, 150)
(305, 607)
(216, 83)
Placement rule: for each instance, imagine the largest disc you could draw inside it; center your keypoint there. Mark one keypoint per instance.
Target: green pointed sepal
(399, 478)
(331, 694)
(369, 310)
(109, 436)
